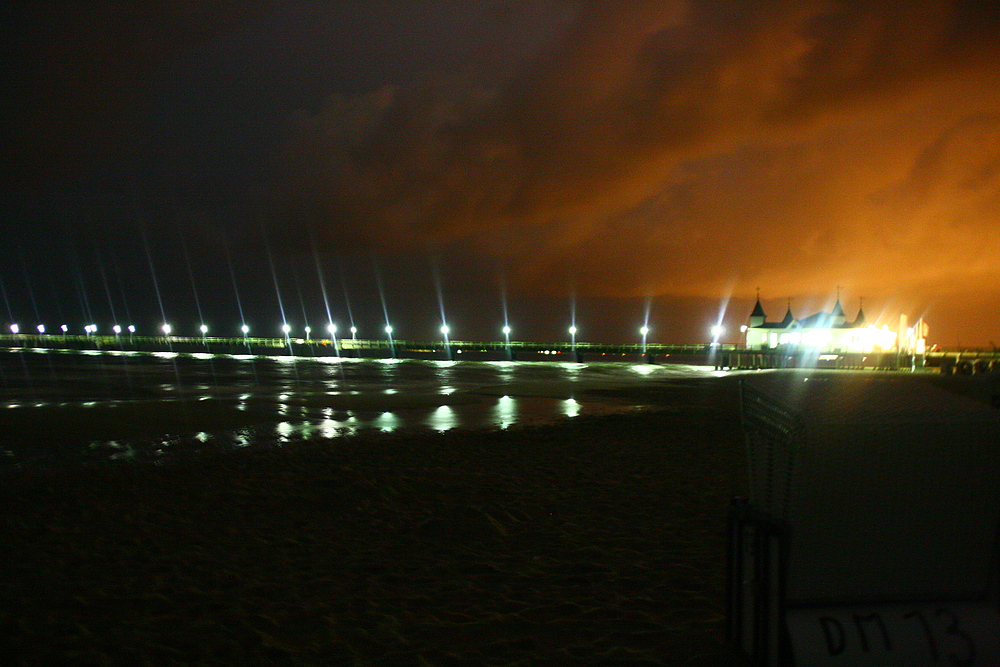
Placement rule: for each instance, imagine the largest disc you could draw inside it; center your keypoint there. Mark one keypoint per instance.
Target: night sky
(572, 160)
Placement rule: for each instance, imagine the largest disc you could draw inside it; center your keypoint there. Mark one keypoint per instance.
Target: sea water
(93, 404)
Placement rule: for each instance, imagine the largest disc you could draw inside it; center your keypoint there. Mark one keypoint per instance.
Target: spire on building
(859, 321)
(838, 312)
(757, 317)
(789, 318)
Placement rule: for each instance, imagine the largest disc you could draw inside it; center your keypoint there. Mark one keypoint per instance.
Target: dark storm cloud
(689, 150)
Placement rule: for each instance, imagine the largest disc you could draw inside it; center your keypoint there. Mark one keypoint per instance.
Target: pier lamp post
(204, 330)
(64, 328)
(388, 333)
(717, 332)
(131, 330)
(572, 337)
(41, 328)
(15, 329)
(644, 331)
(445, 330)
(245, 329)
(332, 328)
(354, 333)
(506, 339)
(286, 329)
(308, 331)
(117, 329)
(166, 329)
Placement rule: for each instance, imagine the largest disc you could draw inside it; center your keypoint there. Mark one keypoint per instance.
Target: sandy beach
(594, 541)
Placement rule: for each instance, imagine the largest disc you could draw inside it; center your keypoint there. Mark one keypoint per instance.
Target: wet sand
(595, 541)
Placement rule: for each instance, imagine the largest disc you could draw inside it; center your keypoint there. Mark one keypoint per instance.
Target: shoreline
(598, 540)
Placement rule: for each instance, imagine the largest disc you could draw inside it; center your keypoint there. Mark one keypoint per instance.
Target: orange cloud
(677, 148)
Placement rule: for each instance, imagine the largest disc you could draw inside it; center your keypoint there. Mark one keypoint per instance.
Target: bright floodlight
(131, 328)
(204, 329)
(644, 330)
(388, 329)
(331, 327)
(308, 331)
(15, 329)
(506, 331)
(64, 328)
(167, 329)
(286, 328)
(445, 329)
(41, 328)
(354, 331)
(717, 331)
(572, 331)
(245, 329)
(117, 329)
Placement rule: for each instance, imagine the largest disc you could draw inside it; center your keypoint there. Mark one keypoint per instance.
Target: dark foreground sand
(598, 541)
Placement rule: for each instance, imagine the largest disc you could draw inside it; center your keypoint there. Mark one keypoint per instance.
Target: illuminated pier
(718, 355)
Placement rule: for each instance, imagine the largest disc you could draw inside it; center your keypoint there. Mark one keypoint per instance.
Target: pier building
(831, 332)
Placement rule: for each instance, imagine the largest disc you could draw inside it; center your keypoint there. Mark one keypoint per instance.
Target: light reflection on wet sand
(153, 404)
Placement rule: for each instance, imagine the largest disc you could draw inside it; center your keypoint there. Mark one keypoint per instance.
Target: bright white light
(245, 329)
(41, 328)
(64, 328)
(204, 329)
(717, 331)
(286, 328)
(15, 329)
(572, 331)
(167, 329)
(331, 327)
(117, 329)
(506, 331)
(388, 330)
(743, 328)
(354, 331)
(445, 329)
(131, 328)
(644, 330)
(308, 331)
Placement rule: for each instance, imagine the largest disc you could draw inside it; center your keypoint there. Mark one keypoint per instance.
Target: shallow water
(121, 404)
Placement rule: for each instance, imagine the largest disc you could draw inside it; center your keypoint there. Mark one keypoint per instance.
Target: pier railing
(139, 342)
(722, 356)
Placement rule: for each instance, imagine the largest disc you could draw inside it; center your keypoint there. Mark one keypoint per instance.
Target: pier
(718, 355)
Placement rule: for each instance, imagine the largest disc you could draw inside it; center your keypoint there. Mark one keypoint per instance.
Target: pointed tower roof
(859, 321)
(789, 318)
(838, 310)
(758, 310)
